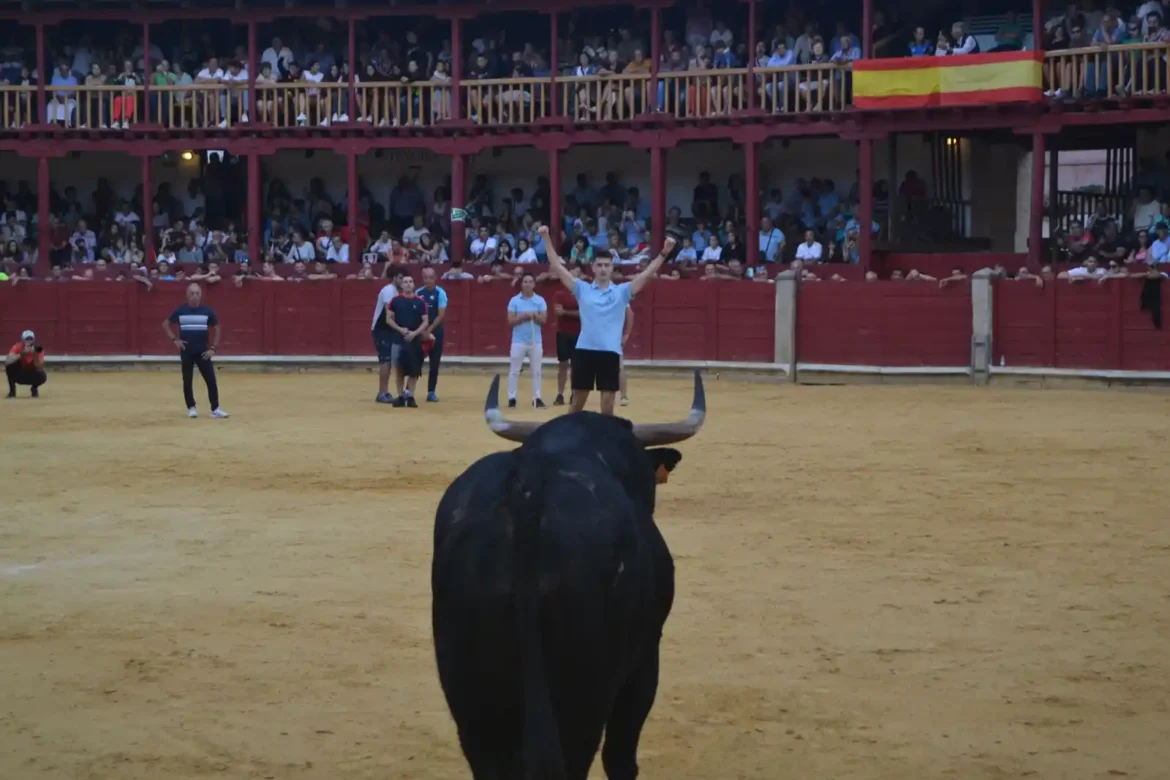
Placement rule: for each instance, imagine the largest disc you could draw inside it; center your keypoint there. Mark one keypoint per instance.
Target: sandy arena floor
(873, 582)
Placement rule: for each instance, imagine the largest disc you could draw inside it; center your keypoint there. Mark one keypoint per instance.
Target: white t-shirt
(276, 58)
(527, 256)
(241, 77)
(304, 252)
(1080, 270)
(712, 253)
(412, 235)
(338, 254)
(313, 78)
(811, 253)
(479, 247)
(216, 74)
(381, 247)
(384, 297)
(1145, 215)
(126, 219)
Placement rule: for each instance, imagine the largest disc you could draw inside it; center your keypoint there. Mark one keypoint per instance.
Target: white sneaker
(192, 413)
(324, 123)
(244, 118)
(219, 414)
(222, 124)
(301, 118)
(625, 401)
(343, 118)
(334, 117)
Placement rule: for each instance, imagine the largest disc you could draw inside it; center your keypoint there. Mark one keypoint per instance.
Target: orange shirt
(28, 360)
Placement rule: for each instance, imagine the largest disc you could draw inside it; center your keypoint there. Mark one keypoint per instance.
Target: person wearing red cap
(25, 365)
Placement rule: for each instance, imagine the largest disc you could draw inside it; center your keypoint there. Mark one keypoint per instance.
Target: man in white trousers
(527, 312)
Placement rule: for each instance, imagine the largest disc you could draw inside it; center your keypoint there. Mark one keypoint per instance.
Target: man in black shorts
(407, 317)
(597, 360)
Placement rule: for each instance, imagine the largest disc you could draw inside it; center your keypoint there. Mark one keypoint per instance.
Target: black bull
(551, 585)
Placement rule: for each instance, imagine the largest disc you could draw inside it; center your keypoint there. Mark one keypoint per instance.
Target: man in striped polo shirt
(195, 322)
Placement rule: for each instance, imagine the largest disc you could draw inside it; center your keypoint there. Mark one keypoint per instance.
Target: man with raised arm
(597, 358)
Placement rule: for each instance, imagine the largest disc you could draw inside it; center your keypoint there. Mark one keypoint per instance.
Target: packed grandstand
(304, 147)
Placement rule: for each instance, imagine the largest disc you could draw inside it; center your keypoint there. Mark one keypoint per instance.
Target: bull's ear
(664, 459)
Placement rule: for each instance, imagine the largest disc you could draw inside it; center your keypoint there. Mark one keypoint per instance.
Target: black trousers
(190, 360)
(24, 375)
(436, 358)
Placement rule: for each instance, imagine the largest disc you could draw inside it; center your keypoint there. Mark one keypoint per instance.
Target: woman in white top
(525, 253)
(713, 253)
(310, 99)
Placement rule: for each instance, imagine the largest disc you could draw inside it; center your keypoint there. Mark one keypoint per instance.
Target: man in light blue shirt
(771, 241)
(526, 313)
(597, 359)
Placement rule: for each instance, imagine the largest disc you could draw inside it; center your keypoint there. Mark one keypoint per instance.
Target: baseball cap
(28, 335)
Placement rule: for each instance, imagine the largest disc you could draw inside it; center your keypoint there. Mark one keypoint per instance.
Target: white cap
(28, 335)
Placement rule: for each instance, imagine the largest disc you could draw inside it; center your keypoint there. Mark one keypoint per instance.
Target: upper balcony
(1073, 79)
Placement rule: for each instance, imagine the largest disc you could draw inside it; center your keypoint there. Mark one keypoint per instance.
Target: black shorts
(384, 343)
(409, 357)
(595, 369)
(566, 344)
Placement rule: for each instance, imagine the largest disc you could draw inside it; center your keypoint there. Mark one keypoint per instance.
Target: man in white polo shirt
(810, 250)
(598, 356)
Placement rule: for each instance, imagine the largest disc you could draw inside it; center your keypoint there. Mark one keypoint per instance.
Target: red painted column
(753, 98)
(255, 218)
(655, 54)
(657, 197)
(351, 175)
(555, 216)
(751, 167)
(458, 196)
(146, 85)
(1036, 217)
(44, 230)
(353, 68)
(553, 59)
(865, 191)
(866, 29)
(456, 76)
(43, 76)
(147, 210)
(253, 67)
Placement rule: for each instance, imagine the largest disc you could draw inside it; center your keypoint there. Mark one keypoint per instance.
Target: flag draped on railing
(960, 80)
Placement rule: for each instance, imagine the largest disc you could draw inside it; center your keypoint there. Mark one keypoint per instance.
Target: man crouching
(25, 364)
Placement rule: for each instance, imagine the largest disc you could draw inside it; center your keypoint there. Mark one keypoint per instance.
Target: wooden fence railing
(1079, 74)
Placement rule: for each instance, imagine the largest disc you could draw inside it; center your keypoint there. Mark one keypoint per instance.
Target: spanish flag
(959, 80)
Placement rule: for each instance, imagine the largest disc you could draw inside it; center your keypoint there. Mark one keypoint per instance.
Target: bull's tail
(543, 759)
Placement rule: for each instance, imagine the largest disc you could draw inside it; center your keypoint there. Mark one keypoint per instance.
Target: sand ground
(873, 582)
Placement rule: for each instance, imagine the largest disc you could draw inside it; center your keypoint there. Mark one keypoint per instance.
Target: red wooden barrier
(884, 324)
(1084, 325)
(683, 320)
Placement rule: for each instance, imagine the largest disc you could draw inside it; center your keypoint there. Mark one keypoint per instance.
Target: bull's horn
(501, 426)
(653, 434)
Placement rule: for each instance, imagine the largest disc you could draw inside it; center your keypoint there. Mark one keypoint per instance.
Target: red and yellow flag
(960, 80)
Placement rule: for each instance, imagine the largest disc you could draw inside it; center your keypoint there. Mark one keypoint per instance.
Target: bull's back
(595, 577)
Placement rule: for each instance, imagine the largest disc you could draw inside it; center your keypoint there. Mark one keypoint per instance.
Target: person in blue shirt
(436, 300)
(597, 360)
(195, 323)
(406, 314)
(527, 312)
